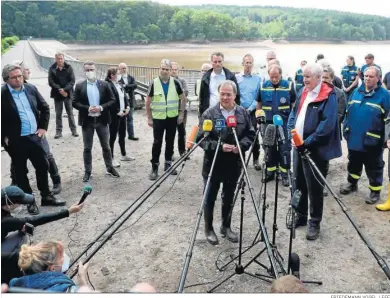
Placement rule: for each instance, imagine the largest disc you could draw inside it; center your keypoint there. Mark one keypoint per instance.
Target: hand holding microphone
(298, 142)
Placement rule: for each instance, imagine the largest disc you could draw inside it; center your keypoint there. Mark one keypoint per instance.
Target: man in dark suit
(61, 81)
(130, 85)
(94, 98)
(24, 120)
(208, 96)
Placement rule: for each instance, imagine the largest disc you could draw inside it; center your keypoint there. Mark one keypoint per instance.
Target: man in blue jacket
(315, 119)
(364, 130)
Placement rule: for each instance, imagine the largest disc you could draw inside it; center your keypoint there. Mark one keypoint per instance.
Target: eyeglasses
(16, 77)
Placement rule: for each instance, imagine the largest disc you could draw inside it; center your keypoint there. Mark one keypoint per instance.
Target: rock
(105, 271)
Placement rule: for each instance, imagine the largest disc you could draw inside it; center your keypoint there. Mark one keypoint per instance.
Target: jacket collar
(323, 94)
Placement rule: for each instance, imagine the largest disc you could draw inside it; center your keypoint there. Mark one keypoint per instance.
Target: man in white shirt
(315, 119)
(208, 96)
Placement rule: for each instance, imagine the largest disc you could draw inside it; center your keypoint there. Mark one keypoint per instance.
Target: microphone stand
(151, 190)
(240, 269)
(381, 262)
(195, 232)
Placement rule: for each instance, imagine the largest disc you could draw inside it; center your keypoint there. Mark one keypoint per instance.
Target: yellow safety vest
(163, 108)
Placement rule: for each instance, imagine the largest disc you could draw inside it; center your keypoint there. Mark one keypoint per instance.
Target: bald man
(130, 85)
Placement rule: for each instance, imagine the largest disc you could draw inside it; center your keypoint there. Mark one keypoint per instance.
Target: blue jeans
(130, 125)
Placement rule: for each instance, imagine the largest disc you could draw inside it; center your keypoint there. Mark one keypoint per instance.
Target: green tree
(122, 27)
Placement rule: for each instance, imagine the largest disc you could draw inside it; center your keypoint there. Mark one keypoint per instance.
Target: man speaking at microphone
(315, 119)
(228, 165)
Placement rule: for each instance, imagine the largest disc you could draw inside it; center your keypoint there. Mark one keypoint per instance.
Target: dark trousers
(256, 147)
(103, 133)
(30, 147)
(181, 134)
(118, 128)
(53, 169)
(373, 164)
(227, 196)
(279, 157)
(168, 126)
(310, 187)
(130, 123)
(59, 103)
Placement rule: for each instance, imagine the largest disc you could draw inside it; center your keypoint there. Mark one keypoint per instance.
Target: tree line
(144, 22)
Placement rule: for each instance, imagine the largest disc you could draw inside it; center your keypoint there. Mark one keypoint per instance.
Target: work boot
(208, 226)
(257, 165)
(51, 200)
(33, 208)
(385, 206)
(154, 173)
(225, 229)
(373, 198)
(58, 135)
(167, 165)
(348, 188)
(269, 176)
(285, 181)
(313, 232)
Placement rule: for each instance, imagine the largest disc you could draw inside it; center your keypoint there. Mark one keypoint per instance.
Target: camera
(29, 229)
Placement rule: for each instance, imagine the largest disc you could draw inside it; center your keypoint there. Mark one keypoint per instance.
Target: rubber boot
(225, 230)
(154, 172)
(55, 176)
(386, 205)
(208, 226)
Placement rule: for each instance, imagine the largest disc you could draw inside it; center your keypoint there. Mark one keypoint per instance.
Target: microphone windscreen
(231, 121)
(207, 125)
(87, 188)
(260, 113)
(220, 124)
(191, 139)
(269, 135)
(295, 264)
(296, 138)
(277, 120)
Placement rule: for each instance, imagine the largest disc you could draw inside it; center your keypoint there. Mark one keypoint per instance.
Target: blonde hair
(288, 284)
(38, 258)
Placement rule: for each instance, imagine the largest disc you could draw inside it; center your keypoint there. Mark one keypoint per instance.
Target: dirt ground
(153, 249)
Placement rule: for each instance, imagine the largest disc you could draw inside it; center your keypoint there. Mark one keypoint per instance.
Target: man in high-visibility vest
(165, 106)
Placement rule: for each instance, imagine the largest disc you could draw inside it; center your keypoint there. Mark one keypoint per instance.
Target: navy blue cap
(16, 196)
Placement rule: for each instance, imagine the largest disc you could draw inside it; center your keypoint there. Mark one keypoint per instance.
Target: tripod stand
(240, 269)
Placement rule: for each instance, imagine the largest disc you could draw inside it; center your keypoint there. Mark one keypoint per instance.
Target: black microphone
(269, 139)
(295, 264)
(87, 191)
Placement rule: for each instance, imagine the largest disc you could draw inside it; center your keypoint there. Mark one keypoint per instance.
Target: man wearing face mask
(165, 106)
(11, 198)
(130, 85)
(276, 97)
(61, 81)
(94, 99)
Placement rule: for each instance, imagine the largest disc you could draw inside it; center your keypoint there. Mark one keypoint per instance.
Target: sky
(374, 7)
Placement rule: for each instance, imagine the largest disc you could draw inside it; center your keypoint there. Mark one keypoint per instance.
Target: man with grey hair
(205, 67)
(61, 81)
(181, 128)
(165, 106)
(93, 99)
(315, 119)
(24, 121)
(364, 130)
(208, 95)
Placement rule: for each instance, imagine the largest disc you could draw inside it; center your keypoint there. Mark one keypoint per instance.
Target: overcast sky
(376, 7)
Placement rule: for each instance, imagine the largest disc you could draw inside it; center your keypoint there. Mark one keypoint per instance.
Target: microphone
(191, 139)
(220, 124)
(295, 264)
(207, 126)
(269, 135)
(231, 122)
(298, 141)
(87, 191)
(278, 121)
(260, 118)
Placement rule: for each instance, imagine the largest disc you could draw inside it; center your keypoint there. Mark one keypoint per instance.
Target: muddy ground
(154, 248)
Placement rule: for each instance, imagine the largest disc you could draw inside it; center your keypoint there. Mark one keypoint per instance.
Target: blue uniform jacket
(364, 126)
(321, 132)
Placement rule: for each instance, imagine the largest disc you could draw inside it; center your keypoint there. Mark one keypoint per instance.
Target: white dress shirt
(215, 80)
(121, 97)
(311, 96)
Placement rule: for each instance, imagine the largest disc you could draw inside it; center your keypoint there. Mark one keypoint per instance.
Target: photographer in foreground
(11, 198)
(43, 265)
